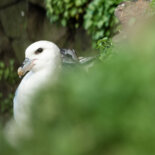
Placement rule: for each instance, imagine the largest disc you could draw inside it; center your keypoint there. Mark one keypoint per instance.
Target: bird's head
(39, 55)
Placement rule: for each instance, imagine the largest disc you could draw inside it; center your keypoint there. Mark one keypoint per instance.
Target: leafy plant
(106, 48)
(96, 16)
(153, 3)
(8, 79)
(66, 10)
(7, 72)
(99, 19)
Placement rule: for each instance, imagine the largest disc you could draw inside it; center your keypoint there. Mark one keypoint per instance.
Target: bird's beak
(25, 67)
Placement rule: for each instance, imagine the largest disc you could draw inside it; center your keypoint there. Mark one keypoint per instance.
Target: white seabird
(42, 62)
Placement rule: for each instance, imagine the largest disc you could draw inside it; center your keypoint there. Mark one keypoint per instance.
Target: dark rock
(39, 27)
(19, 47)
(4, 43)
(13, 20)
(38, 2)
(82, 42)
(24, 22)
(5, 3)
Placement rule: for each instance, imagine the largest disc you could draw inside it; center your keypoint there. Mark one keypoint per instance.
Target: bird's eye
(38, 51)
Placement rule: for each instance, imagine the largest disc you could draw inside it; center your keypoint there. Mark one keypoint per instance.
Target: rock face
(13, 19)
(5, 3)
(24, 21)
(38, 2)
(4, 42)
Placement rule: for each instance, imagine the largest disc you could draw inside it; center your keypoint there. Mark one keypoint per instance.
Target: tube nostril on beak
(25, 67)
(25, 61)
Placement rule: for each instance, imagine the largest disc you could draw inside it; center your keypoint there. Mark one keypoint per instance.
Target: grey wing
(85, 60)
(69, 56)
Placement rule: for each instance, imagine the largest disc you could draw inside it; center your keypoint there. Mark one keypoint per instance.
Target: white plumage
(43, 62)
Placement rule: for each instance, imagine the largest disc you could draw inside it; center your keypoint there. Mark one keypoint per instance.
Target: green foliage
(152, 12)
(104, 43)
(153, 3)
(7, 72)
(66, 10)
(97, 16)
(6, 103)
(99, 19)
(105, 46)
(109, 110)
(8, 78)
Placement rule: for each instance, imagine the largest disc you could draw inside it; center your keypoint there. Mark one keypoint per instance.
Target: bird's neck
(44, 74)
(36, 80)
